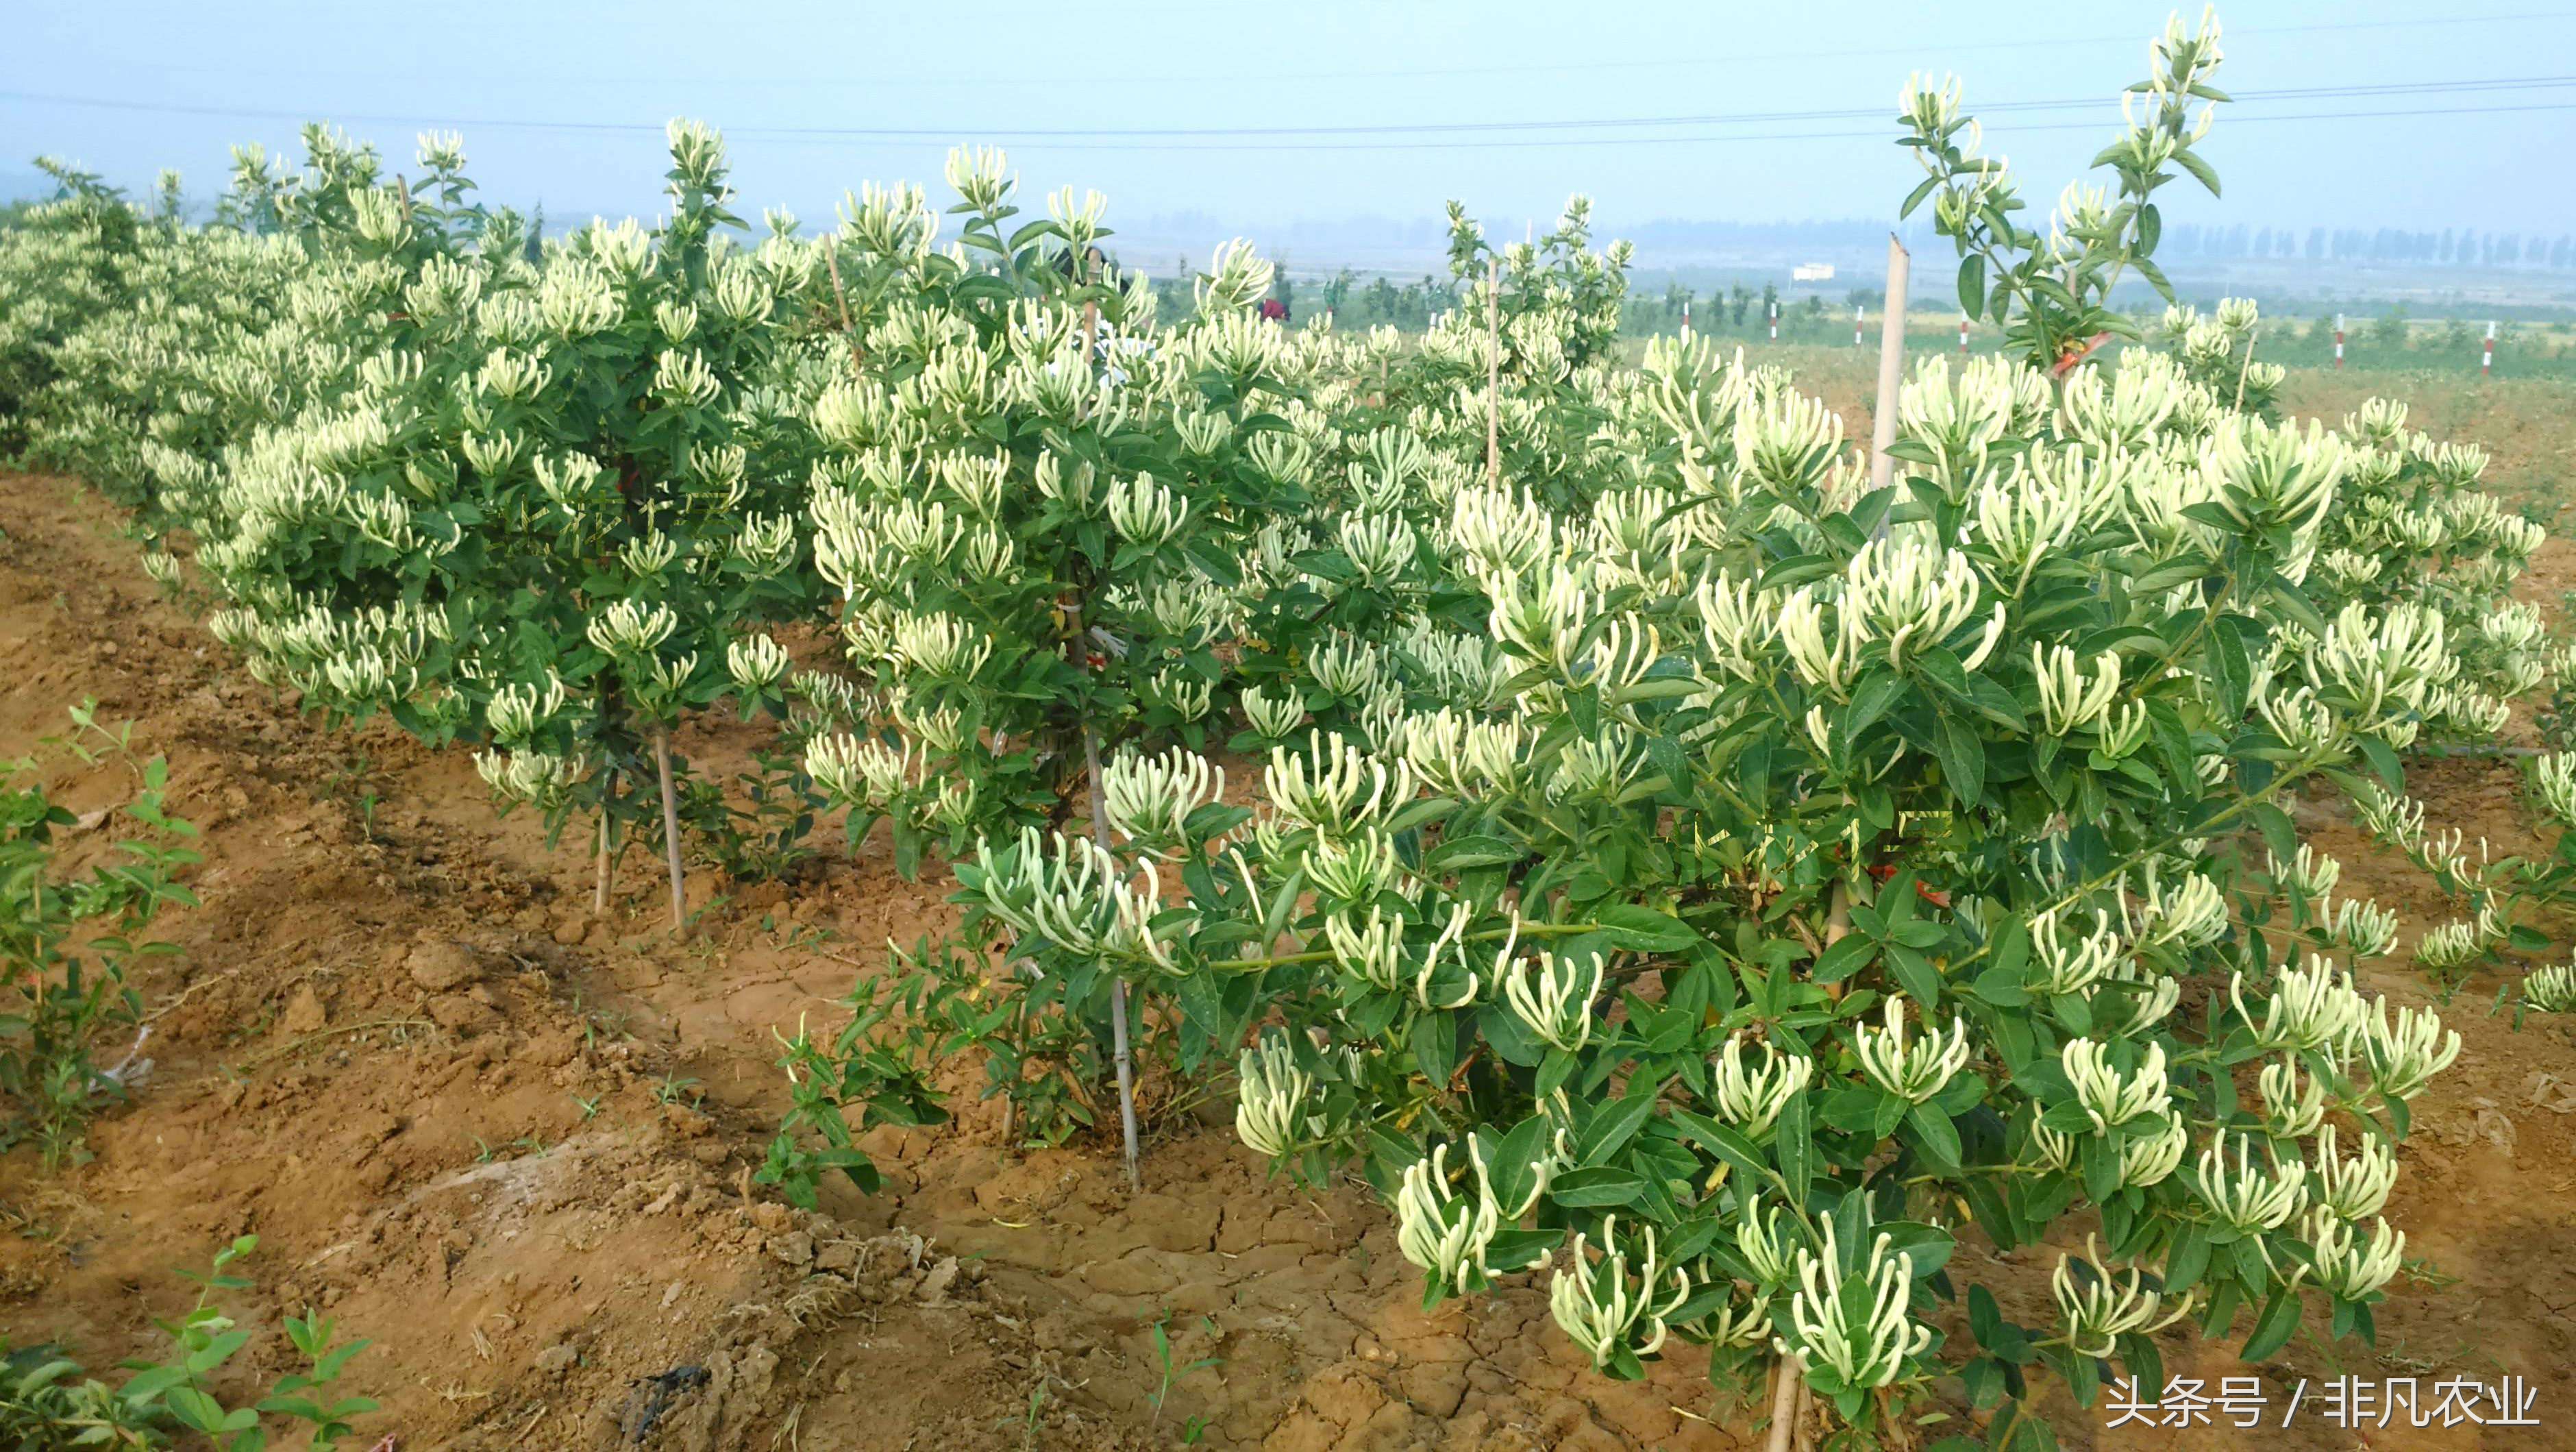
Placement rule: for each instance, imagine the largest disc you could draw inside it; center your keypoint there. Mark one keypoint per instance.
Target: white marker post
(2338, 340)
(1686, 320)
(1963, 335)
(1775, 322)
(1858, 312)
(2486, 365)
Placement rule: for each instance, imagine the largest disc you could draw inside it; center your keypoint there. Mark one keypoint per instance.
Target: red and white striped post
(2338, 340)
(2486, 365)
(1857, 312)
(1328, 317)
(1775, 322)
(1963, 334)
(1685, 320)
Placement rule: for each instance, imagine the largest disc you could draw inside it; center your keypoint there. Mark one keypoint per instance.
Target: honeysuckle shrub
(1034, 504)
(1844, 884)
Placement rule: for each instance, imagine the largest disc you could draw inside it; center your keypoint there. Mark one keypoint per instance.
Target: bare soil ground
(512, 1143)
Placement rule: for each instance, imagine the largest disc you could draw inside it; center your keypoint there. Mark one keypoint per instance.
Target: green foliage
(48, 1404)
(69, 937)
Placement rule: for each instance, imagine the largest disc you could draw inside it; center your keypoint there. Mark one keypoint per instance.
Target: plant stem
(1117, 986)
(607, 861)
(671, 829)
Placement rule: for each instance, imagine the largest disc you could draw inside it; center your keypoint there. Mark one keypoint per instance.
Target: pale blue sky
(962, 72)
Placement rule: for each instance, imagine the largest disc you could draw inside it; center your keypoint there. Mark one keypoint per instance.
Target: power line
(1221, 138)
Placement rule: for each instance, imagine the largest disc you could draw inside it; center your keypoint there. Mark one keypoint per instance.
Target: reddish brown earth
(398, 1048)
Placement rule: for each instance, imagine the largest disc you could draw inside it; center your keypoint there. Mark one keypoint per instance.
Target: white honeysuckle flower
(1356, 869)
(1913, 1069)
(1733, 622)
(2554, 783)
(1333, 787)
(858, 773)
(513, 376)
(519, 710)
(1150, 798)
(2447, 946)
(1770, 1253)
(1371, 948)
(1751, 1098)
(2187, 914)
(2364, 927)
(1146, 513)
(2069, 698)
(1828, 666)
(941, 645)
(672, 674)
(539, 778)
(1605, 1309)
(648, 554)
(630, 628)
(2246, 1199)
(2309, 1008)
(2381, 665)
(1914, 594)
(1273, 717)
(2551, 989)
(567, 479)
(756, 663)
(2101, 1309)
(2120, 733)
(2069, 963)
(2355, 1188)
(2406, 1054)
(2056, 1151)
(2149, 1159)
(1555, 1004)
(1346, 667)
(766, 544)
(1450, 1236)
(2292, 1107)
(2109, 1097)
(685, 379)
(1275, 1101)
(2311, 873)
(1864, 1350)
(2348, 1267)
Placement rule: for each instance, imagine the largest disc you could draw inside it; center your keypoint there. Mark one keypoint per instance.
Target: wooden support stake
(1891, 367)
(1786, 1381)
(850, 334)
(1493, 371)
(671, 829)
(1117, 987)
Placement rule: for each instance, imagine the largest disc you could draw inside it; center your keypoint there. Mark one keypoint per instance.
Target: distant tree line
(2452, 246)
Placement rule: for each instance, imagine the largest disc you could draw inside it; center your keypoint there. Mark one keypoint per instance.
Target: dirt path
(512, 1144)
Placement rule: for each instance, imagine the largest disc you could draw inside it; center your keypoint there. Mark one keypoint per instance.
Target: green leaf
(1610, 1131)
(1972, 284)
(1644, 930)
(2274, 1327)
(1963, 760)
(1459, 853)
(1844, 958)
(1794, 1140)
(2207, 175)
(1939, 1136)
(1597, 1187)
